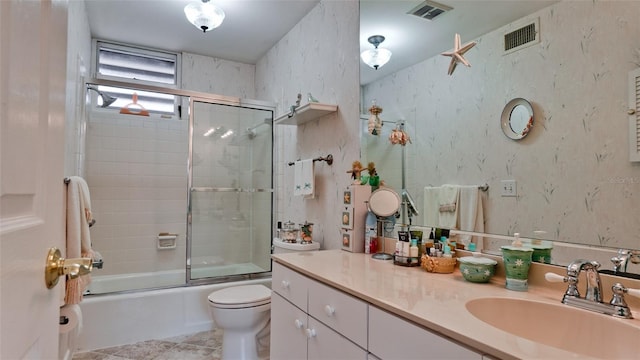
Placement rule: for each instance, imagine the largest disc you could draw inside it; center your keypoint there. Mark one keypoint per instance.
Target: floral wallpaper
(574, 178)
(318, 56)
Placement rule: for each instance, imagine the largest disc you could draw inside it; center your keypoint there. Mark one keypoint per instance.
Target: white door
(33, 47)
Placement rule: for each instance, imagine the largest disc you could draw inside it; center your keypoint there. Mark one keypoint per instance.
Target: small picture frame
(346, 240)
(346, 220)
(347, 197)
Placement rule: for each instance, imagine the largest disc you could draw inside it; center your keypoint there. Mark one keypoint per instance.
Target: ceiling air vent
(522, 37)
(429, 10)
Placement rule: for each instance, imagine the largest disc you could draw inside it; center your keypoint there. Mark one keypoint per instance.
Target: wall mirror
(517, 119)
(574, 182)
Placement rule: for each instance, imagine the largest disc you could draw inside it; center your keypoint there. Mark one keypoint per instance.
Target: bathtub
(104, 284)
(125, 318)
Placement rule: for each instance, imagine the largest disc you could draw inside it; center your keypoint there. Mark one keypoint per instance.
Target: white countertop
(434, 301)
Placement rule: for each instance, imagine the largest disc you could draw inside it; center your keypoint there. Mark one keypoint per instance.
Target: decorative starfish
(457, 54)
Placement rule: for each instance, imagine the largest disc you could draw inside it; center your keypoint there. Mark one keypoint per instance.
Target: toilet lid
(241, 296)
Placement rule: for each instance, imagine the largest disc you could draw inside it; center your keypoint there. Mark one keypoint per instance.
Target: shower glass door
(230, 190)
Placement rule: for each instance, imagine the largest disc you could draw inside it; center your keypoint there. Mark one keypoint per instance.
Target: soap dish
(440, 265)
(406, 261)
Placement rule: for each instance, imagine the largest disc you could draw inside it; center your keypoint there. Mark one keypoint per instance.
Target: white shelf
(305, 113)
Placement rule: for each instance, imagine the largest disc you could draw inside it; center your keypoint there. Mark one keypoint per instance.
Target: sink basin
(561, 326)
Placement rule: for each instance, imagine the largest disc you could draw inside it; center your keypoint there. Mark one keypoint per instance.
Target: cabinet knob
(311, 333)
(299, 324)
(329, 310)
(285, 284)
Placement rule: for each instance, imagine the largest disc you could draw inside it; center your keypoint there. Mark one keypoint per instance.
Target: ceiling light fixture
(204, 15)
(377, 57)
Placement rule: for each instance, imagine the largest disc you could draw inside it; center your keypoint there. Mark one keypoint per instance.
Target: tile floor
(199, 346)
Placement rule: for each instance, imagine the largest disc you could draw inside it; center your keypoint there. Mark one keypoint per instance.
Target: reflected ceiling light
(220, 132)
(378, 56)
(204, 15)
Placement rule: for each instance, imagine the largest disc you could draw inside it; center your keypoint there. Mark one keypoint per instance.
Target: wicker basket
(441, 265)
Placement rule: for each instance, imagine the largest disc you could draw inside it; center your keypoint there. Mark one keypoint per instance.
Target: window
(138, 66)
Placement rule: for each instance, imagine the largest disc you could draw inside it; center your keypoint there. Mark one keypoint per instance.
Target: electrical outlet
(508, 188)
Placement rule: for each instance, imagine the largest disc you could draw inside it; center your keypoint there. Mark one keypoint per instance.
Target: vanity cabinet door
(393, 338)
(290, 285)
(288, 326)
(326, 344)
(339, 311)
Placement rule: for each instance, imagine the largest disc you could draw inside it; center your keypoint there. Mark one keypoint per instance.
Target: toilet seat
(238, 297)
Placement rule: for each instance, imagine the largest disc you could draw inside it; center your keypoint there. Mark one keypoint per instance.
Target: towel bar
(328, 159)
(93, 221)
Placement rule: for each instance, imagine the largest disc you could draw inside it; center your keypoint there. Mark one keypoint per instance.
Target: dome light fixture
(378, 56)
(204, 15)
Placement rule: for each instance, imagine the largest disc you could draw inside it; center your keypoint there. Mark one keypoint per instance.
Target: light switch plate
(508, 188)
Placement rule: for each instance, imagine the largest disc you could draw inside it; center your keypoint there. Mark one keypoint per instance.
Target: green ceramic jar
(476, 268)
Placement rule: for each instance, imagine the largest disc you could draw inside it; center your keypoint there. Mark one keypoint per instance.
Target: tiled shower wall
(137, 174)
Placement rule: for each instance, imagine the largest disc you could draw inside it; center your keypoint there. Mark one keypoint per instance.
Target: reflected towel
(78, 238)
(431, 214)
(470, 213)
(448, 206)
(303, 178)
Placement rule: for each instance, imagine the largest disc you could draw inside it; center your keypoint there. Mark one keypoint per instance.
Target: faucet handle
(617, 301)
(633, 292)
(572, 289)
(554, 278)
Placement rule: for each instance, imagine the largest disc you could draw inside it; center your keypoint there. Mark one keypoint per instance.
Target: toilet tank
(281, 247)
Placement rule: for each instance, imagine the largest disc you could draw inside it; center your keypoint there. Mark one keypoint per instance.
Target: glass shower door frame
(248, 104)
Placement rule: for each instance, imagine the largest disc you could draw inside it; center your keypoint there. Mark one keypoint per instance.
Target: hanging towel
(431, 206)
(448, 206)
(78, 237)
(303, 178)
(470, 213)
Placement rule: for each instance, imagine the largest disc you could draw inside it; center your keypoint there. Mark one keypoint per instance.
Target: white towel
(304, 179)
(78, 237)
(470, 213)
(448, 206)
(431, 213)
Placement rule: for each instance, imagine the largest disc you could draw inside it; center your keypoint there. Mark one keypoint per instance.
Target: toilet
(244, 312)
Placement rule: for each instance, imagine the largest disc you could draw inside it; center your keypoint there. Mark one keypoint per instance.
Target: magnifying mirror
(384, 202)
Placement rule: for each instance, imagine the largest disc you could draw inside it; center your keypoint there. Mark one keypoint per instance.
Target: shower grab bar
(220, 189)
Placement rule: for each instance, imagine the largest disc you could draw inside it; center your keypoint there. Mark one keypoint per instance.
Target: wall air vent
(429, 10)
(522, 37)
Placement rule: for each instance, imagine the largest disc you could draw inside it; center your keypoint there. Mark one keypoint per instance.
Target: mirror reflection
(571, 176)
(517, 119)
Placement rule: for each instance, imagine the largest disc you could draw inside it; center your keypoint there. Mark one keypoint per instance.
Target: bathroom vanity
(336, 304)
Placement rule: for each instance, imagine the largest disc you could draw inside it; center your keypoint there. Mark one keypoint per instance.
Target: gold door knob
(57, 266)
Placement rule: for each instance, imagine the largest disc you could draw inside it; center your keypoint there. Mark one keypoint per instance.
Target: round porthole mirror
(517, 119)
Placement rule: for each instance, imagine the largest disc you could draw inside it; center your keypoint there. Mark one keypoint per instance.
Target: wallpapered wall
(319, 55)
(574, 179)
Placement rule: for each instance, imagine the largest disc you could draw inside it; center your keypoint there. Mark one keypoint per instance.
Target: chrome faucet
(594, 288)
(621, 260)
(593, 297)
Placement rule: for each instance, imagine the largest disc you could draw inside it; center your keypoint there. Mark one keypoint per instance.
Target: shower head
(106, 99)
